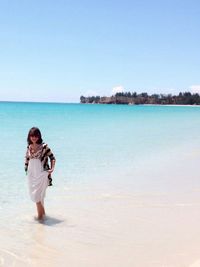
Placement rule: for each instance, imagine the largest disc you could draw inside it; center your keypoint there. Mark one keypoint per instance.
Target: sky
(56, 51)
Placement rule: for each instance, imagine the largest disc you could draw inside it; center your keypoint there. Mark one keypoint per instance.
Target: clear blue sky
(59, 50)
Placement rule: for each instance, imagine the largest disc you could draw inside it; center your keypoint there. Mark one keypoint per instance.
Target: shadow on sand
(50, 221)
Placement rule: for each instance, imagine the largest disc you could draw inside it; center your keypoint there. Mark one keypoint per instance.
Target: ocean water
(102, 145)
(89, 140)
(101, 151)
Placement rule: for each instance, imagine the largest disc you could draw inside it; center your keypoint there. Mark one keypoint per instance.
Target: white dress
(37, 179)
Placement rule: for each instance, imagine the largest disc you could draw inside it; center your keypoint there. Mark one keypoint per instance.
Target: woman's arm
(26, 160)
(53, 162)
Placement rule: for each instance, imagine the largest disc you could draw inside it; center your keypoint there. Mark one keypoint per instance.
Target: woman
(36, 165)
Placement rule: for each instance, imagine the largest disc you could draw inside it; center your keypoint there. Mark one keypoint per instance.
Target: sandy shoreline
(107, 230)
(93, 226)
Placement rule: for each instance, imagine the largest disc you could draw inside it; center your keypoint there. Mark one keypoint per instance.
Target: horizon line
(36, 102)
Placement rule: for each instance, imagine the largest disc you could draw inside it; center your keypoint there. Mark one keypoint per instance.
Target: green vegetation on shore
(185, 98)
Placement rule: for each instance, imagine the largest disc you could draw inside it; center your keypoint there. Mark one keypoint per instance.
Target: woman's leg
(40, 210)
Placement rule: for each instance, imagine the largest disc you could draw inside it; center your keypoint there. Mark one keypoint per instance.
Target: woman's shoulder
(45, 146)
(28, 147)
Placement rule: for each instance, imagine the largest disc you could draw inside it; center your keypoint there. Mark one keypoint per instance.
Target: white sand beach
(88, 226)
(109, 231)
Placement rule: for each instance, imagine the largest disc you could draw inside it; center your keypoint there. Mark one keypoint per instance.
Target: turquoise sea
(100, 149)
(95, 143)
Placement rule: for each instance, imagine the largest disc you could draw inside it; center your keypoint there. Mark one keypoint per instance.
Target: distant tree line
(185, 98)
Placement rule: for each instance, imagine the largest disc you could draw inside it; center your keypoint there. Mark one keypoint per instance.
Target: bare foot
(39, 218)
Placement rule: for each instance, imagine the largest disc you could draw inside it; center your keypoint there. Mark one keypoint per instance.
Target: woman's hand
(50, 171)
(52, 166)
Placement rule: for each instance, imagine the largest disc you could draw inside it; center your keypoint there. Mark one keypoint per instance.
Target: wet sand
(107, 230)
(87, 226)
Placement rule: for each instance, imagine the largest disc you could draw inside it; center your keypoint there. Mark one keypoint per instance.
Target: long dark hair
(34, 131)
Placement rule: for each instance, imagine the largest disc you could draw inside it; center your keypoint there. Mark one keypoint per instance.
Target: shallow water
(126, 186)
